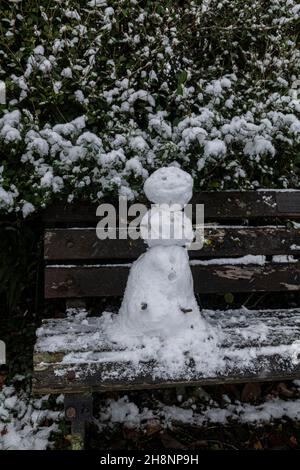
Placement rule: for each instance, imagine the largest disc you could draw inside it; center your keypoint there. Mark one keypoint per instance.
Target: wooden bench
(79, 266)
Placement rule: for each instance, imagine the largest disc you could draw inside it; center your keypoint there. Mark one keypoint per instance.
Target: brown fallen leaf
(283, 390)
(251, 392)
(130, 432)
(2, 380)
(293, 441)
(198, 445)
(153, 426)
(170, 442)
(258, 445)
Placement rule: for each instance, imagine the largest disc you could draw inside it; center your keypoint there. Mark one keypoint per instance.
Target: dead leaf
(293, 441)
(251, 392)
(170, 442)
(283, 390)
(153, 426)
(198, 444)
(258, 445)
(130, 432)
(2, 380)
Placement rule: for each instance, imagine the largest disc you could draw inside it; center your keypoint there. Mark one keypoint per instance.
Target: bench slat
(90, 379)
(83, 244)
(256, 345)
(219, 205)
(58, 337)
(110, 280)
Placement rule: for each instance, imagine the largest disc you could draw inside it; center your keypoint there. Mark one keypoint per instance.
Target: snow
(169, 185)
(159, 300)
(27, 209)
(135, 166)
(6, 198)
(39, 50)
(124, 411)
(67, 72)
(214, 148)
(165, 225)
(80, 97)
(47, 179)
(138, 143)
(159, 290)
(97, 3)
(284, 259)
(23, 420)
(259, 146)
(259, 260)
(295, 247)
(219, 342)
(245, 260)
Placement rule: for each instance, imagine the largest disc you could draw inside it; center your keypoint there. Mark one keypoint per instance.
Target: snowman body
(159, 297)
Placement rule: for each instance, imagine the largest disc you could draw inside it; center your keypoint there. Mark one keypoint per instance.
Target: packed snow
(159, 299)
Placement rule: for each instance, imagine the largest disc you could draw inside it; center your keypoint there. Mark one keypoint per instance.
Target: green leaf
(182, 77)
(179, 90)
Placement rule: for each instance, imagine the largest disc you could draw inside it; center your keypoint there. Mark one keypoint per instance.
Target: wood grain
(110, 280)
(217, 205)
(83, 244)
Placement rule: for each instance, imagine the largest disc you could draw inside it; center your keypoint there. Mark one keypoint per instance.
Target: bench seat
(73, 355)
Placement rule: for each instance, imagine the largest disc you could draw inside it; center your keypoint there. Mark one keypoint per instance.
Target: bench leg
(78, 410)
(78, 435)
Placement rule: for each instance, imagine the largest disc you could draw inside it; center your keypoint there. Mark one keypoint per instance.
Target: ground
(251, 416)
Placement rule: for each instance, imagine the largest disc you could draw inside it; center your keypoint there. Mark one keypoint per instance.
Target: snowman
(159, 297)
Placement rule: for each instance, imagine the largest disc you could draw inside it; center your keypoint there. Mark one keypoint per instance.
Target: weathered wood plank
(83, 244)
(68, 244)
(90, 378)
(110, 280)
(219, 204)
(249, 204)
(256, 345)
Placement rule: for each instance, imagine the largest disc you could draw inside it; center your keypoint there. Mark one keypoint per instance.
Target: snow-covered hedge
(101, 92)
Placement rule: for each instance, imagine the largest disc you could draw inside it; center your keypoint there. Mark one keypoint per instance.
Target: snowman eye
(164, 178)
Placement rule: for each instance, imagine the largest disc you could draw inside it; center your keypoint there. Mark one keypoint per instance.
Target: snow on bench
(77, 354)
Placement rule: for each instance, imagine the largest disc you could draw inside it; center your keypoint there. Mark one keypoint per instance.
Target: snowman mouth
(178, 187)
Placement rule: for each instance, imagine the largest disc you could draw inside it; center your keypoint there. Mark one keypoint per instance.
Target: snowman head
(169, 185)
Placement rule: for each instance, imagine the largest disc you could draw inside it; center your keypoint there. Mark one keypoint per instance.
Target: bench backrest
(79, 265)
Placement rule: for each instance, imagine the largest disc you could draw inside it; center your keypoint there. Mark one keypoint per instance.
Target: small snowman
(159, 297)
